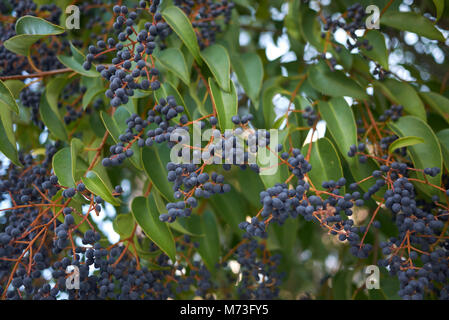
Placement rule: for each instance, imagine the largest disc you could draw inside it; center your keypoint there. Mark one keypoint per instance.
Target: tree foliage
(88, 177)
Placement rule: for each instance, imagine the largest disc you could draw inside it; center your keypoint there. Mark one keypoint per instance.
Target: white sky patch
(394, 59)
(404, 7)
(272, 50)
(35, 85)
(438, 55)
(110, 210)
(349, 100)
(410, 38)
(234, 265)
(318, 134)
(281, 104)
(289, 57)
(105, 225)
(359, 32)
(445, 35)
(331, 262)
(244, 38)
(424, 88)
(340, 36)
(79, 242)
(402, 73)
(43, 136)
(47, 274)
(305, 255)
(279, 15)
(126, 186)
(314, 5)
(180, 272)
(284, 71)
(109, 231)
(309, 52)
(93, 214)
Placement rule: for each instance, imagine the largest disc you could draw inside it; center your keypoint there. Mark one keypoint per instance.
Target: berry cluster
(118, 273)
(380, 72)
(45, 57)
(74, 110)
(204, 15)
(161, 115)
(310, 116)
(31, 99)
(194, 184)
(260, 279)
(393, 113)
(133, 66)
(351, 21)
(280, 202)
(118, 276)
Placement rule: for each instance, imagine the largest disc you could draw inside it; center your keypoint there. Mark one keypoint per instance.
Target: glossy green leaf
(62, 166)
(177, 225)
(179, 22)
(423, 155)
(310, 28)
(379, 51)
(156, 171)
(52, 120)
(110, 125)
(404, 94)
(15, 87)
(443, 137)
(53, 90)
(30, 29)
(36, 26)
(7, 138)
(173, 60)
(123, 224)
(341, 285)
(7, 98)
(97, 186)
(209, 244)
(232, 208)
(75, 62)
(225, 103)
(249, 70)
(146, 215)
(76, 147)
(412, 22)
(268, 106)
(325, 162)
(439, 5)
(340, 122)
(334, 84)
(171, 90)
(217, 59)
(377, 294)
(271, 172)
(145, 249)
(116, 125)
(94, 88)
(437, 102)
(404, 142)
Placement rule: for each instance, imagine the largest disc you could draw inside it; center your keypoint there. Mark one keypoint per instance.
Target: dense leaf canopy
(343, 108)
